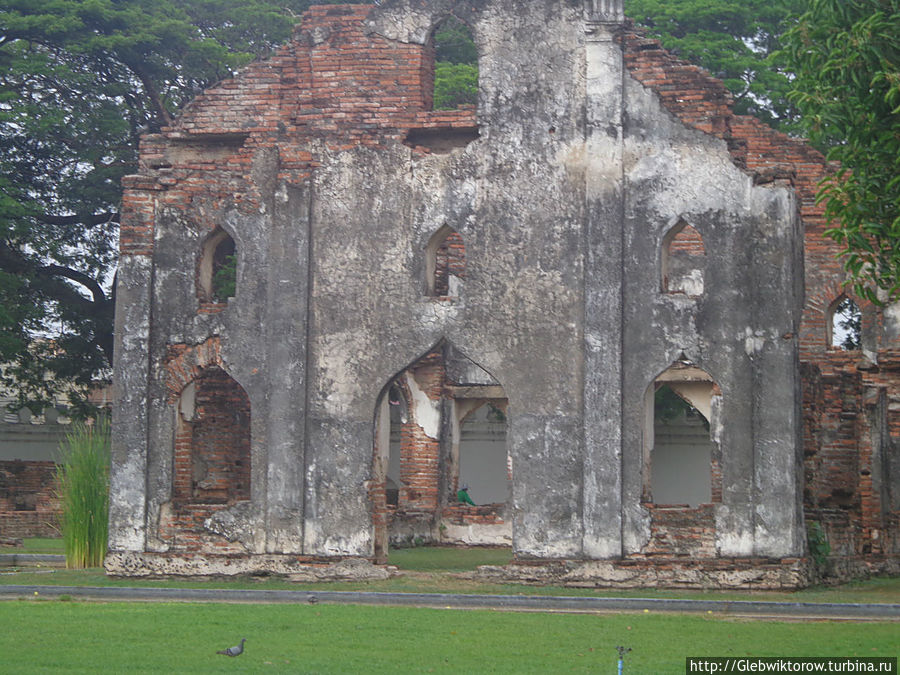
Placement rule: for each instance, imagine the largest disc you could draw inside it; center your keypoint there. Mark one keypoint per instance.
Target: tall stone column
(131, 365)
(604, 194)
(287, 318)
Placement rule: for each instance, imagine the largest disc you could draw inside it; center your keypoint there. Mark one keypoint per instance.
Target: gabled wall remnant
(599, 216)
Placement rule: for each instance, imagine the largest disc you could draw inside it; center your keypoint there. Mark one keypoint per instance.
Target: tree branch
(96, 219)
(152, 93)
(78, 277)
(12, 261)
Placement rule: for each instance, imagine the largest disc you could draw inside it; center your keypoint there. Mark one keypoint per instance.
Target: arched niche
(683, 261)
(445, 263)
(212, 442)
(217, 268)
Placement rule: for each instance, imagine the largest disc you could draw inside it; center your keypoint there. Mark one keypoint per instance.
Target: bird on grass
(237, 650)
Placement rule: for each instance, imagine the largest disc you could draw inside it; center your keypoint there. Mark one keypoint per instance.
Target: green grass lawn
(447, 558)
(83, 637)
(37, 545)
(437, 570)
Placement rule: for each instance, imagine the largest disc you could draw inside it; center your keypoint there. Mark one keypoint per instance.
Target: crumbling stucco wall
(326, 167)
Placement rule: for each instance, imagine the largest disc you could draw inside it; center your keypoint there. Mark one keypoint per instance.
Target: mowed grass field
(433, 569)
(40, 636)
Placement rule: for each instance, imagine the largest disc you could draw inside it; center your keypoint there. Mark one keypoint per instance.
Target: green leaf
(846, 57)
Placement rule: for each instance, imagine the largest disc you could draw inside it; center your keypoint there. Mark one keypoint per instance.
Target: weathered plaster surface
(562, 201)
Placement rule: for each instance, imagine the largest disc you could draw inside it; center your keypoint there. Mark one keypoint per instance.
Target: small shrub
(83, 480)
(225, 279)
(817, 539)
(455, 84)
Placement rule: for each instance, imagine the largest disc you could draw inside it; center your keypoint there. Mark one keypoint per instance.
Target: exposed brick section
(483, 514)
(340, 84)
(185, 363)
(333, 82)
(184, 531)
(684, 89)
(28, 503)
(715, 476)
(27, 486)
(212, 307)
(682, 531)
(138, 214)
(847, 409)
(687, 242)
(212, 451)
(419, 453)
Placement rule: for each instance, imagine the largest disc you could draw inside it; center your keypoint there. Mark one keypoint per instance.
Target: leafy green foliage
(846, 55)
(453, 43)
(80, 80)
(225, 279)
(455, 84)
(668, 405)
(83, 480)
(736, 42)
(847, 319)
(456, 66)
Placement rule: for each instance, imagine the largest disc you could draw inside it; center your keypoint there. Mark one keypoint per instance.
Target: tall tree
(80, 80)
(846, 54)
(736, 41)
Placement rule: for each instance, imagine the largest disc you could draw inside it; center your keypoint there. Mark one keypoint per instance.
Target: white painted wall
(682, 453)
(482, 458)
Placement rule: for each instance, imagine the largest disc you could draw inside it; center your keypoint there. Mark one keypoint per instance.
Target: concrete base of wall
(711, 574)
(134, 564)
(751, 574)
(839, 570)
(476, 534)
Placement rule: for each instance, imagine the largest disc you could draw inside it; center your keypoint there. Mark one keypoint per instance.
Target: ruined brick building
(509, 296)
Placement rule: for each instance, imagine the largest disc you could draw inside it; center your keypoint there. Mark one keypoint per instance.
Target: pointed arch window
(683, 261)
(440, 427)
(217, 273)
(681, 457)
(212, 444)
(844, 324)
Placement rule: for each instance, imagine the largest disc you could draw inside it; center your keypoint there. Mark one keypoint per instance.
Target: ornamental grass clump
(83, 479)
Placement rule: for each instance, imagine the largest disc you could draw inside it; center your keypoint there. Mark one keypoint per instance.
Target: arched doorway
(440, 427)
